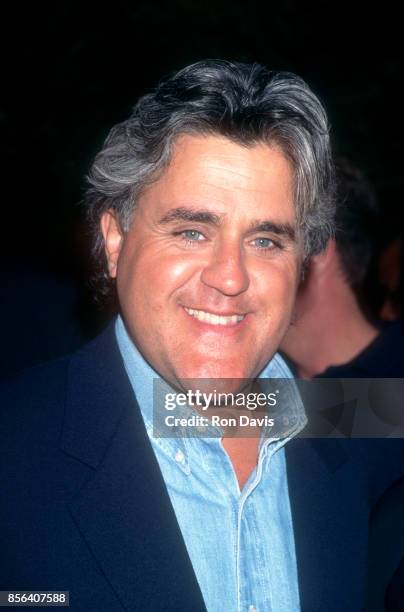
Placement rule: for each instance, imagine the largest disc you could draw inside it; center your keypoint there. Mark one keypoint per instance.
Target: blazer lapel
(329, 513)
(124, 512)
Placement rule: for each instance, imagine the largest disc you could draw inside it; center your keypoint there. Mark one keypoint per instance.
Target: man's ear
(322, 261)
(318, 265)
(113, 239)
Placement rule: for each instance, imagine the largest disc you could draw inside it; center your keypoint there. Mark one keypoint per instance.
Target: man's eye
(193, 235)
(263, 243)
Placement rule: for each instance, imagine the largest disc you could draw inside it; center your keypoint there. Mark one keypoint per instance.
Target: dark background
(73, 69)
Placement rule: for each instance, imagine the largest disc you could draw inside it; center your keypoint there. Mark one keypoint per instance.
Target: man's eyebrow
(280, 229)
(206, 216)
(187, 214)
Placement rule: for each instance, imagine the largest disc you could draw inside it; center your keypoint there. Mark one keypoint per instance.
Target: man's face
(207, 274)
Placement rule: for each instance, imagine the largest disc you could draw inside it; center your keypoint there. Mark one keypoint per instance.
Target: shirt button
(179, 456)
(252, 609)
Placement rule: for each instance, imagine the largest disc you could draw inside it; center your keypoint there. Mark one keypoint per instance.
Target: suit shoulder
(32, 403)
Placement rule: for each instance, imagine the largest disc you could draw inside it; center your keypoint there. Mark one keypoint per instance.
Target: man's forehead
(213, 172)
(216, 151)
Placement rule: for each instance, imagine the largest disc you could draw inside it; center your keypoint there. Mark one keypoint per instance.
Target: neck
(331, 332)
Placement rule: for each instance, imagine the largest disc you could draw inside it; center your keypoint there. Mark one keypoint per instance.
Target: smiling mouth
(213, 319)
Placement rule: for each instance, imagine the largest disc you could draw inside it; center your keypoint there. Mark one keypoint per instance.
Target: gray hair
(246, 103)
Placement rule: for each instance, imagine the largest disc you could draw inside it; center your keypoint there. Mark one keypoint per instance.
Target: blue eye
(192, 235)
(263, 243)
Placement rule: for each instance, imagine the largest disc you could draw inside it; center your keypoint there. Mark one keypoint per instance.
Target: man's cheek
(178, 270)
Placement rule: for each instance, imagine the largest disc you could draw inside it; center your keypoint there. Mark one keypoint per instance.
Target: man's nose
(226, 270)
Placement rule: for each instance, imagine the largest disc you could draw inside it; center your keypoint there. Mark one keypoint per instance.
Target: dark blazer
(84, 506)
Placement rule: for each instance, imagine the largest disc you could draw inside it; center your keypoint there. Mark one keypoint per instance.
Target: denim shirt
(241, 543)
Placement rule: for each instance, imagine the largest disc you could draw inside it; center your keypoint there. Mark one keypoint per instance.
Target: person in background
(331, 333)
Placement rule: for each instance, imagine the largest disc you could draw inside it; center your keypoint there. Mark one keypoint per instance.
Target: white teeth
(213, 319)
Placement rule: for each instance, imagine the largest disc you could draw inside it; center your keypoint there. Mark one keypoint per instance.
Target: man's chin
(215, 378)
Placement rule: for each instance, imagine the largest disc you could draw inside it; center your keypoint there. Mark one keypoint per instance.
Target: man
(206, 202)
(331, 334)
